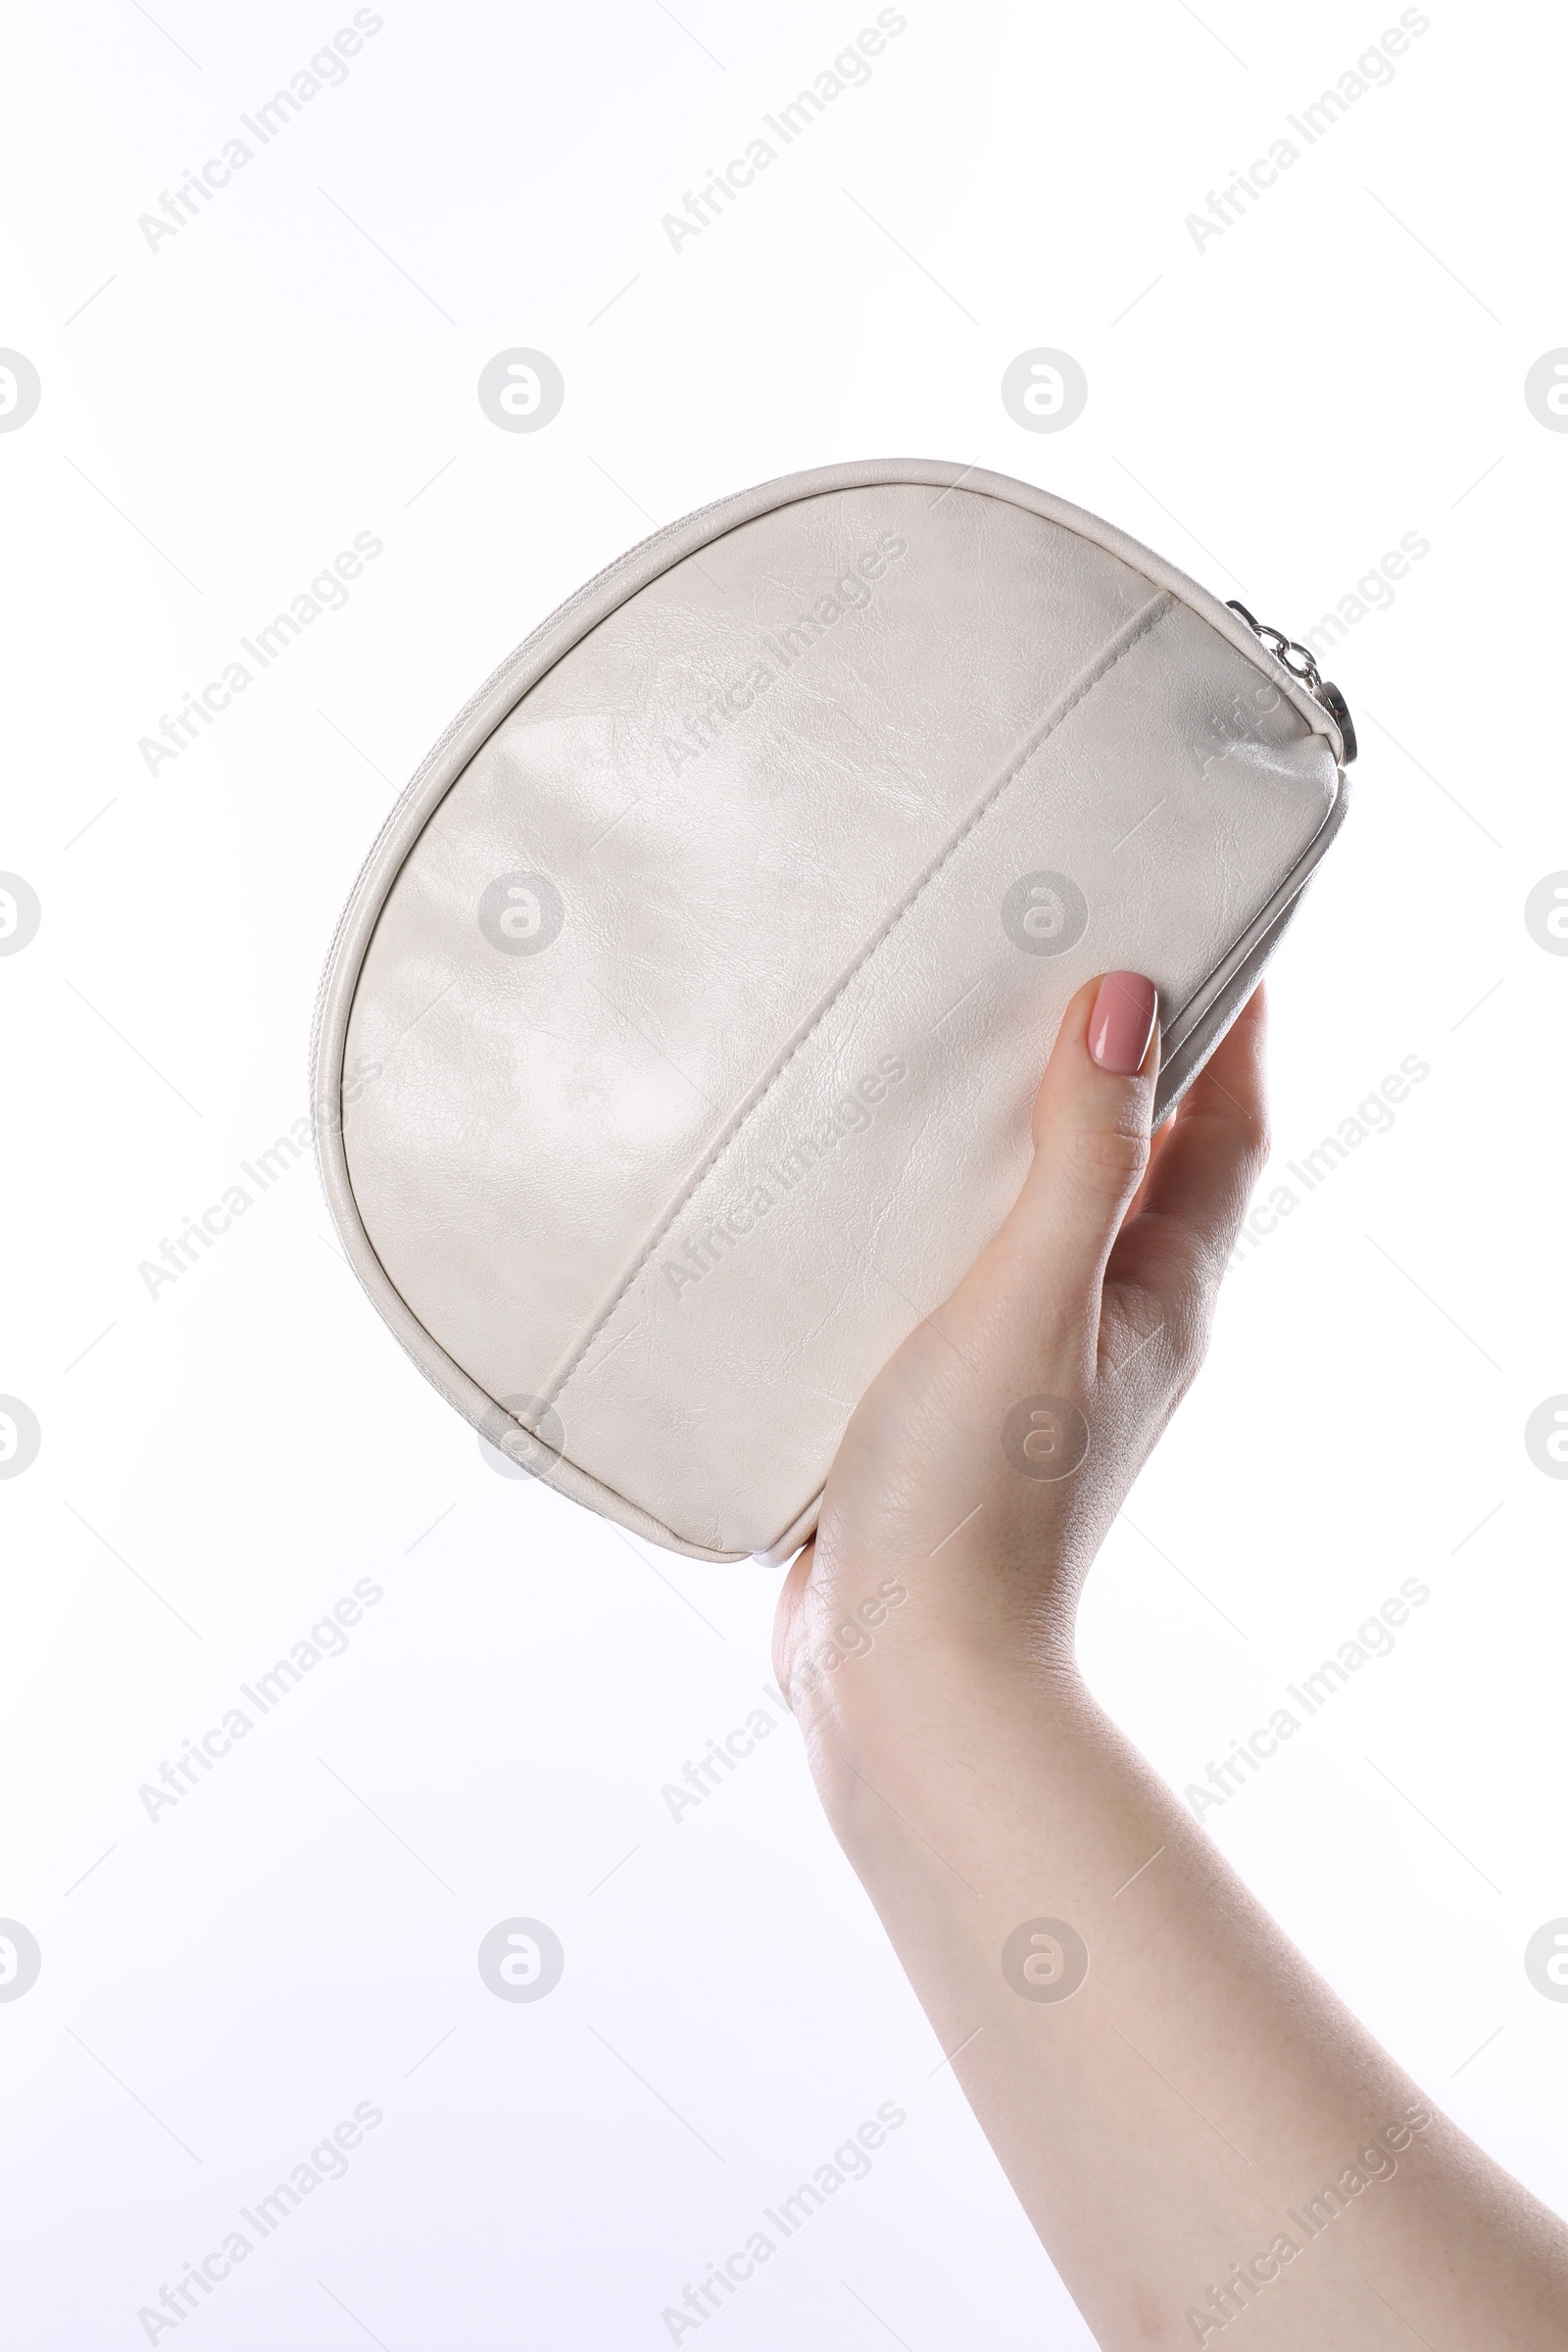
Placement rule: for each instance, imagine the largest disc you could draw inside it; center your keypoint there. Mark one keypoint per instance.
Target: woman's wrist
(973, 1606)
(909, 1680)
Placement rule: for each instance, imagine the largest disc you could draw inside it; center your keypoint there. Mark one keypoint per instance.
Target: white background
(219, 1464)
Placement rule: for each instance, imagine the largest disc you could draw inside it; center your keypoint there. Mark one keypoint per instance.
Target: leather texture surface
(706, 973)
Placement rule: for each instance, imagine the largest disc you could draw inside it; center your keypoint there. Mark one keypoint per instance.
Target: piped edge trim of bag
(491, 705)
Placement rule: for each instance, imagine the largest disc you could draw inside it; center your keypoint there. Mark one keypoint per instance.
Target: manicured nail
(1123, 1022)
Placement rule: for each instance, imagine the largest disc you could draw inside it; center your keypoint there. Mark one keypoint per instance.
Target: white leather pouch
(676, 1048)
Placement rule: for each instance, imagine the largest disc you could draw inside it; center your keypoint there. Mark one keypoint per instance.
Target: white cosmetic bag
(677, 1045)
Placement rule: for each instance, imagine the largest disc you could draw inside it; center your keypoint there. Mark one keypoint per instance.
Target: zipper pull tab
(1305, 667)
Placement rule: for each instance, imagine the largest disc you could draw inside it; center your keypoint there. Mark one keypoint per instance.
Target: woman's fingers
(1191, 1202)
(1044, 1269)
(1090, 1127)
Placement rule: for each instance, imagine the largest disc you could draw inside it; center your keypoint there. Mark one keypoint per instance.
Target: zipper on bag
(1305, 667)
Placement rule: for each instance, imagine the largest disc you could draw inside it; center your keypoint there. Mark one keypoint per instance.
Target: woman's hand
(987, 1459)
(1204, 2136)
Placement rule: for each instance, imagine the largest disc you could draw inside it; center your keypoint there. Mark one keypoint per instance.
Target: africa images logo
(521, 1959)
(20, 1959)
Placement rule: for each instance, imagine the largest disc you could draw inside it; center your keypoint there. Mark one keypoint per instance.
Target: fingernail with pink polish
(1122, 1022)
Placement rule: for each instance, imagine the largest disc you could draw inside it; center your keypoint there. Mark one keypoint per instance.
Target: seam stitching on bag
(1152, 614)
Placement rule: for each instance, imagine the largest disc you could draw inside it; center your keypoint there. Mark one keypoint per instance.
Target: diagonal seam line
(1129, 635)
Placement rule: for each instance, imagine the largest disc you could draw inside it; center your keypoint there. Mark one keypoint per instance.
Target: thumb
(1091, 1126)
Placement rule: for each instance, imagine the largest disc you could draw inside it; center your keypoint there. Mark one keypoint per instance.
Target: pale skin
(1170, 2127)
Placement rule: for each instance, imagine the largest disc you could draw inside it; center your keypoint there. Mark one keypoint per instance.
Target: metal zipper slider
(1305, 667)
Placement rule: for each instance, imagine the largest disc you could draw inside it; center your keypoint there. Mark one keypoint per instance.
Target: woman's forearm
(1205, 2138)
